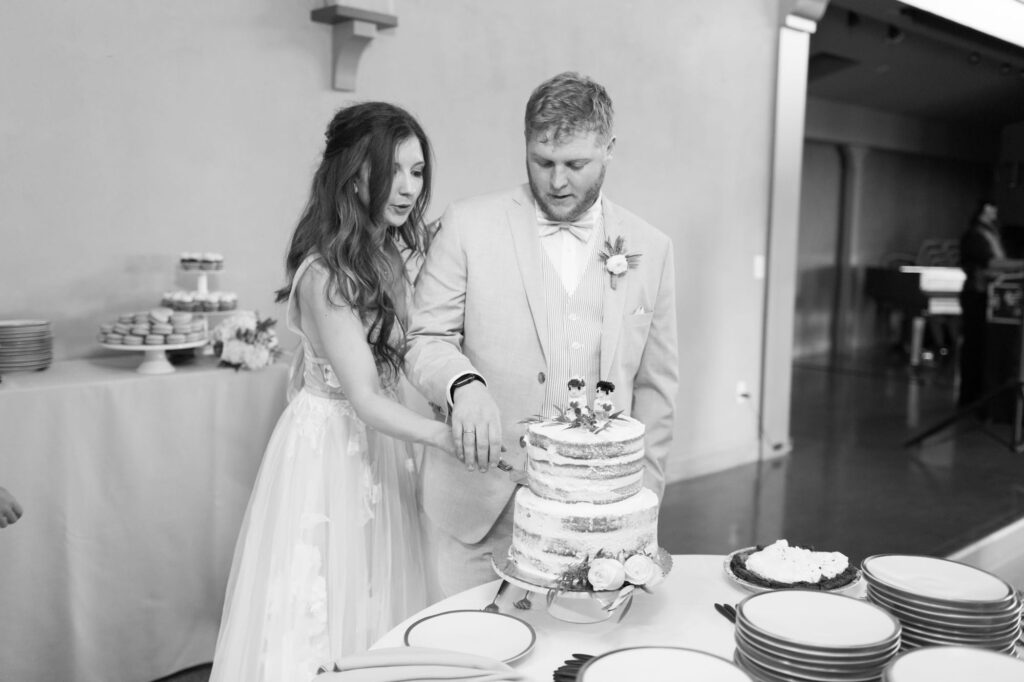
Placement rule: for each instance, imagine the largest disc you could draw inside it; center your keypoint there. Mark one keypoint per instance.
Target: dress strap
(297, 371)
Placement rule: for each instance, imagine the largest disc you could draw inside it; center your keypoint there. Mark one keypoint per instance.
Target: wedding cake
(584, 520)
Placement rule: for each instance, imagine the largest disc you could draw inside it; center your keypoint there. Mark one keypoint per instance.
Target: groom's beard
(570, 214)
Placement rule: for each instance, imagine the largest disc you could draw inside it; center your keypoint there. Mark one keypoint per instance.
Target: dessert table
(134, 488)
(679, 612)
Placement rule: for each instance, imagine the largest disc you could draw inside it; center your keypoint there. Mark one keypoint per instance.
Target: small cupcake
(189, 260)
(228, 301)
(207, 261)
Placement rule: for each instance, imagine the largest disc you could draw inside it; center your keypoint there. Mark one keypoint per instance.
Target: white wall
(133, 131)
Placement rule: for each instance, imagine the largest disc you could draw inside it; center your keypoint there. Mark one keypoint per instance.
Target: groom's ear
(609, 149)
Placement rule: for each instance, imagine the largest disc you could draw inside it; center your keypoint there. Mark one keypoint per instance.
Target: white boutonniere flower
(616, 260)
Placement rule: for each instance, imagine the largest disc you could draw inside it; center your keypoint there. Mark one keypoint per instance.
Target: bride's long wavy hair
(350, 236)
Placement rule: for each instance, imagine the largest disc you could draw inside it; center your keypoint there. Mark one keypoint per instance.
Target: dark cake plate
(852, 583)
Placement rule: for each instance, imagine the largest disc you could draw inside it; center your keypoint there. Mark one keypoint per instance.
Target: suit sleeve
(657, 378)
(437, 320)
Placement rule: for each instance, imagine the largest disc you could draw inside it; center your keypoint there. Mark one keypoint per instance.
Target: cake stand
(573, 605)
(155, 359)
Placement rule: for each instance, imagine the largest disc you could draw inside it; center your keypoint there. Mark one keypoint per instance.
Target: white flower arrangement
(246, 341)
(604, 572)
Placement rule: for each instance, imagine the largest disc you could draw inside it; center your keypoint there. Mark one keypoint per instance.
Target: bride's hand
(443, 440)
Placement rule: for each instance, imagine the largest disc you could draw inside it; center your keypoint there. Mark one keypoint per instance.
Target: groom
(523, 290)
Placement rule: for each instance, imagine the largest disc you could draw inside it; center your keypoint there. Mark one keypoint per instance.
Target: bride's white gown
(329, 556)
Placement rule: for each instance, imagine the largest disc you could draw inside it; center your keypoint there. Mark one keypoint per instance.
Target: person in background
(329, 556)
(979, 246)
(10, 509)
(523, 291)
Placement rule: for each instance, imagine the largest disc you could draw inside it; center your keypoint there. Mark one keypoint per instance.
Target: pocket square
(640, 310)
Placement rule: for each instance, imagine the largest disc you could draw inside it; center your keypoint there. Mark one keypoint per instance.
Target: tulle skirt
(329, 556)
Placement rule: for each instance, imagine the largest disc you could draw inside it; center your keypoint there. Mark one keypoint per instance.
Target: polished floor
(850, 484)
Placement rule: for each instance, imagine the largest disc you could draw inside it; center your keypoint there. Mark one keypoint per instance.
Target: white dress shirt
(567, 253)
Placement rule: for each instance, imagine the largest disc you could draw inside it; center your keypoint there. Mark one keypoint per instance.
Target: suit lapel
(525, 238)
(614, 299)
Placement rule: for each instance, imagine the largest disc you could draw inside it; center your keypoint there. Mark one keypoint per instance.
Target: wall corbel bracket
(353, 29)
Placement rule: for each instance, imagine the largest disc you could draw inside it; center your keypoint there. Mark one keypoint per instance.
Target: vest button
(540, 377)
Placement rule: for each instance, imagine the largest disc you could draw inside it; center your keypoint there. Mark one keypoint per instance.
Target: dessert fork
(524, 603)
(493, 606)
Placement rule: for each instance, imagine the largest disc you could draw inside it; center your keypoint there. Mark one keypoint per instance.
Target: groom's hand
(476, 426)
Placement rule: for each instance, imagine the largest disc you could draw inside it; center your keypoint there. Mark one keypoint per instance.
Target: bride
(329, 556)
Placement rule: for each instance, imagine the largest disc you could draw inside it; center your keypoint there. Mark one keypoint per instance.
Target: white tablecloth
(680, 613)
(134, 488)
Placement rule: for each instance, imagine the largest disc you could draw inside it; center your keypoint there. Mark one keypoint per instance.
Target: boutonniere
(616, 260)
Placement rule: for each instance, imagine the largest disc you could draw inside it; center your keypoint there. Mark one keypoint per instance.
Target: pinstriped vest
(574, 328)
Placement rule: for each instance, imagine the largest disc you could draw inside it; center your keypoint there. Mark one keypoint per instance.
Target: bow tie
(579, 229)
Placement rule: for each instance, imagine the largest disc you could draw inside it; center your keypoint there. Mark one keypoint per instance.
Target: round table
(679, 612)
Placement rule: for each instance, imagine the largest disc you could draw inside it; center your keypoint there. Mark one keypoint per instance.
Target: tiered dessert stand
(155, 359)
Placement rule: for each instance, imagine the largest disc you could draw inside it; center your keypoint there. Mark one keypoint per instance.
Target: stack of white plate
(812, 636)
(953, 664)
(942, 602)
(25, 345)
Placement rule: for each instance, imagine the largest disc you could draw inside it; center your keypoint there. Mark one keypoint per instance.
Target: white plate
(166, 346)
(863, 657)
(494, 635)
(660, 664)
(818, 619)
(14, 324)
(754, 587)
(930, 664)
(917, 609)
(938, 579)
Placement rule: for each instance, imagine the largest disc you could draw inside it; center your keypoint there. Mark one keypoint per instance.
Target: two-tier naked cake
(585, 519)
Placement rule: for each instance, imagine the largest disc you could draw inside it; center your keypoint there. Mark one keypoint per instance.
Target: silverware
(728, 612)
(569, 671)
(493, 606)
(524, 603)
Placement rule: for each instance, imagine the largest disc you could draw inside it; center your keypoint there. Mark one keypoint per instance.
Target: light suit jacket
(479, 307)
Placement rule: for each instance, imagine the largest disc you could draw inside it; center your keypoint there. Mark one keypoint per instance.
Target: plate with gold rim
(496, 635)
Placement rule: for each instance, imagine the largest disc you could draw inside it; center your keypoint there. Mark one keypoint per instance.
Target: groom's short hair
(567, 104)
